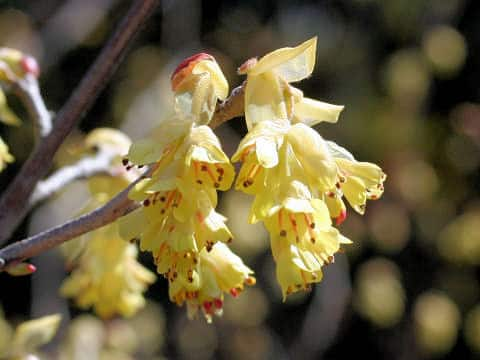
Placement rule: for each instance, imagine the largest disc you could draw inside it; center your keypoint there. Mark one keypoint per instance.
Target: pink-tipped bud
(21, 269)
(341, 218)
(247, 65)
(30, 65)
(185, 68)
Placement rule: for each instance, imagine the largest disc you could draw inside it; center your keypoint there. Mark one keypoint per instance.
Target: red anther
(218, 303)
(31, 268)
(30, 65)
(207, 305)
(341, 218)
(234, 292)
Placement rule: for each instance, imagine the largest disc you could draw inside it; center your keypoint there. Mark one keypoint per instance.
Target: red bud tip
(30, 65)
(247, 65)
(21, 269)
(218, 303)
(185, 66)
(341, 218)
(234, 292)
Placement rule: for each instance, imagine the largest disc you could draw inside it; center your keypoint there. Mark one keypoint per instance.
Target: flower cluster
(178, 222)
(106, 274)
(298, 178)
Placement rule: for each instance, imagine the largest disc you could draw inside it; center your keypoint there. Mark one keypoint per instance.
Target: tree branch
(14, 201)
(119, 206)
(84, 168)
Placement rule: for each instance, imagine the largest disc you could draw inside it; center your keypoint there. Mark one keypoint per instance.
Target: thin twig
(28, 91)
(119, 206)
(99, 163)
(14, 201)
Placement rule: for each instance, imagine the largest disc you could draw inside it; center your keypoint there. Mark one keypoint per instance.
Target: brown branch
(119, 206)
(14, 201)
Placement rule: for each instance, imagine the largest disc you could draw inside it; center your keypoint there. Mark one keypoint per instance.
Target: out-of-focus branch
(28, 91)
(119, 206)
(14, 201)
(84, 168)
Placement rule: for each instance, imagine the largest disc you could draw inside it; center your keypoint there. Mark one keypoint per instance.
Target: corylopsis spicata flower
(298, 179)
(178, 222)
(106, 274)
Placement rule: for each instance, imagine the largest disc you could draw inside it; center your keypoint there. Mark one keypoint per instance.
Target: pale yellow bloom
(302, 237)
(198, 83)
(106, 274)
(5, 156)
(358, 182)
(269, 95)
(193, 153)
(213, 273)
(283, 151)
(27, 337)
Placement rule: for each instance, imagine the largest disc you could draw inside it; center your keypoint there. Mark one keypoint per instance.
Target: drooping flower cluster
(297, 177)
(178, 222)
(106, 274)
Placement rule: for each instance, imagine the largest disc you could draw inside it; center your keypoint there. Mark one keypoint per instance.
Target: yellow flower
(357, 181)
(269, 95)
(198, 82)
(217, 271)
(5, 156)
(184, 219)
(193, 154)
(302, 237)
(278, 150)
(24, 341)
(106, 275)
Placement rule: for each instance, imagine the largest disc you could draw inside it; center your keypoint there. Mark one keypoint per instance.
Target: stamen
(309, 223)
(218, 303)
(247, 151)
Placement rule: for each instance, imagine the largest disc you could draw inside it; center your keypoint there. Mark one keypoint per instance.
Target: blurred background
(408, 74)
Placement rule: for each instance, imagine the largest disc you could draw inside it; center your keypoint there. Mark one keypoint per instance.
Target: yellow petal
(264, 99)
(34, 333)
(313, 154)
(291, 64)
(219, 82)
(311, 112)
